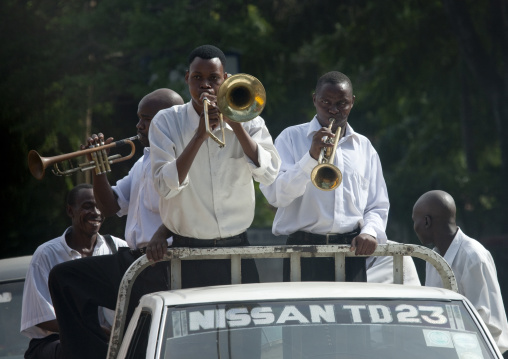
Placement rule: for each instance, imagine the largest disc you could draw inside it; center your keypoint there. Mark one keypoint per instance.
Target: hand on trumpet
(100, 158)
(96, 140)
(320, 140)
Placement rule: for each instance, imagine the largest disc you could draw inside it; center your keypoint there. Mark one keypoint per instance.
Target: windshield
(12, 343)
(324, 329)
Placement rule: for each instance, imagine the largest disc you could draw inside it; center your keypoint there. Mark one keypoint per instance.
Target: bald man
(473, 266)
(78, 289)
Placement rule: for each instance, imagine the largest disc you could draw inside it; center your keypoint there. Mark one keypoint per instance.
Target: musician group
(193, 187)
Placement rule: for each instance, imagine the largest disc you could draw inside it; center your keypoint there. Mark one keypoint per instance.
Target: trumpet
(100, 160)
(241, 98)
(326, 176)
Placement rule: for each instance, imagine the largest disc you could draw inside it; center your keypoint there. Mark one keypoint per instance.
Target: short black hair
(73, 193)
(333, 77)
(207, 52)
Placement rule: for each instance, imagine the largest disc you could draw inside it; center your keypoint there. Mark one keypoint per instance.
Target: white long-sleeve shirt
(476, 276)
(360, 201)
(37, 305)
(139, 200)
(216, 199)
(380, 269)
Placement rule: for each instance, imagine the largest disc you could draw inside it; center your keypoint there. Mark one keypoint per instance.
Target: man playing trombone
(346, 202)
(206, 189)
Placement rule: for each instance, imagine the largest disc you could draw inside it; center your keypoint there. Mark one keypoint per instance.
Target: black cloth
(80, 286)
(323, 269)
(44, 348)
(199, 273)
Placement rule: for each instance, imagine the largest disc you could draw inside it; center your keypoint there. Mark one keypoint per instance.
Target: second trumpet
(326, 176)
(100, 160)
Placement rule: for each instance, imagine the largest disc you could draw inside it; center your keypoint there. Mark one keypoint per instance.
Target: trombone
(241, 98)
(100, 160)
(326, 176)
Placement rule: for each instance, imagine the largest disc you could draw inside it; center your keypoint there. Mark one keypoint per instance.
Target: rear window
(324, 329)
(12, 343)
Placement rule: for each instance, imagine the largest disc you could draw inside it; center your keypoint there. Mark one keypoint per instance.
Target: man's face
(146, 111)
(333, 101)
(86, 217)
(420, 226)
(204, 76)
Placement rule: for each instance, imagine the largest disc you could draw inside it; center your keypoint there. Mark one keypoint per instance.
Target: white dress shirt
(37, 305)
(380, 269)
(476, 276)
(139, 200)
(216, 199)
(360, 201)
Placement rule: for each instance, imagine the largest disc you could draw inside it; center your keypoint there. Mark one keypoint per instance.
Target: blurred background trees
(430, 79)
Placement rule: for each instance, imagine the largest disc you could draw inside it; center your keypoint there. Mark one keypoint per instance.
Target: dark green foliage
(71, 68)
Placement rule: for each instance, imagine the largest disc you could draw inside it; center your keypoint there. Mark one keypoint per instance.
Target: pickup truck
(300, 319)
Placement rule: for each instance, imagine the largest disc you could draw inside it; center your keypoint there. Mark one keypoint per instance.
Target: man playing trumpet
(79, 286)
(354, 213)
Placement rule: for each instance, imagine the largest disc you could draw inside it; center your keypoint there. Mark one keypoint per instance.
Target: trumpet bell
(241, 97)
(326, 177)
(36, 164)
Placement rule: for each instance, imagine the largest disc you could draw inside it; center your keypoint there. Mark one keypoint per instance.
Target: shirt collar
(453, 249)
(72, 252)
(314, 126)
(194, 117)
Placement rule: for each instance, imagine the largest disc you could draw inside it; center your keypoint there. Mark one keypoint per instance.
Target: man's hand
(96, 140)
(363, 244)
(318, 143)
(158, 245)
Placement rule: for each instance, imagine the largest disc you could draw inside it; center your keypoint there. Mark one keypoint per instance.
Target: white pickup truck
(300, 319)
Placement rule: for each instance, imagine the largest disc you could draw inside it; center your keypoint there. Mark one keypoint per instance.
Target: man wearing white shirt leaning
(82, 239)
(356, 212)
(434, 223)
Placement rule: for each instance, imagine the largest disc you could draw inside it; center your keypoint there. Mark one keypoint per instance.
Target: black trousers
(44, 348)
(80, 286)
(200, 273)
(323, 269)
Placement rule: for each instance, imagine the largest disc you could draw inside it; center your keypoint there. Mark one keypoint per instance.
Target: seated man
(82, 239)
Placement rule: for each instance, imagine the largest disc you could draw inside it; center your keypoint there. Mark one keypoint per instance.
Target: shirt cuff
(307, 163)
(370, 230)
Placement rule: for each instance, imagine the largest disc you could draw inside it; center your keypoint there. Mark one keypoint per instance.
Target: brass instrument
(326, 176)
(100, 161)
(241, 98)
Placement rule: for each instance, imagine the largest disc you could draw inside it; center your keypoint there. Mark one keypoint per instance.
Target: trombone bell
(241, 97)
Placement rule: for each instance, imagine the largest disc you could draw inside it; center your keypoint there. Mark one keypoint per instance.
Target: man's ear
(68, 210)
(187, 77)
(428, 221)
(226, 75)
